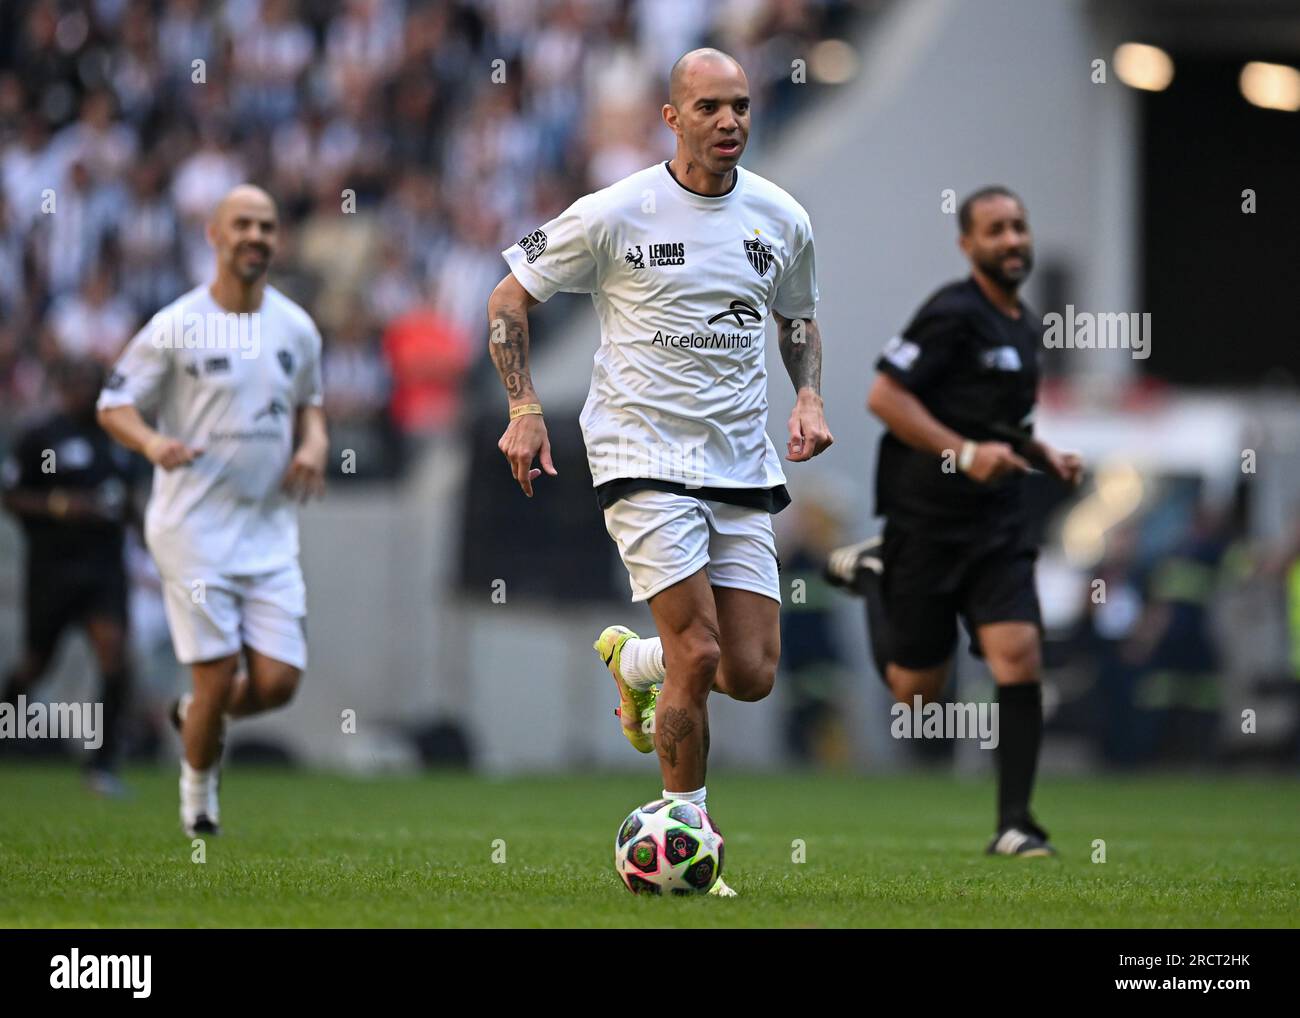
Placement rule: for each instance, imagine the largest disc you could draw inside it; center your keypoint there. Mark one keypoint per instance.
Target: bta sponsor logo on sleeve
(76, 971)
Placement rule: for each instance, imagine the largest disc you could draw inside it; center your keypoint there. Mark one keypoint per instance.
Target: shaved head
(708, 111)
(690, 65)
(243, 195)
(244, 231)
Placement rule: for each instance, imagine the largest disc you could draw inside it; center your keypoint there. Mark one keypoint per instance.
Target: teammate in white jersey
(232, 372)
(684, 261)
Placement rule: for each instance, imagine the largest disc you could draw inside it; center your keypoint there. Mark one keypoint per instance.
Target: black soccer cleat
(855, 566)
(860, 569)
(1028, 841)
(202, 827)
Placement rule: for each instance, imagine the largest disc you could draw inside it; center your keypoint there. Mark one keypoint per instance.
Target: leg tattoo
(673, 727)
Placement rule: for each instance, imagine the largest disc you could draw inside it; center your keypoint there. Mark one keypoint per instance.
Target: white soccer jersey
(683, 285)
(230, 385)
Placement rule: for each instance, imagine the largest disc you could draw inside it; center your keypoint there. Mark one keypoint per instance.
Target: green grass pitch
(310, 849)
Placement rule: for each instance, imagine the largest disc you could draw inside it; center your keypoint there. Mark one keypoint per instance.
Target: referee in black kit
(70, 487)
(956, 392)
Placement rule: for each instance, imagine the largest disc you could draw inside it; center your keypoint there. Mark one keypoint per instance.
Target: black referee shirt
(975, 370)
(75, 456)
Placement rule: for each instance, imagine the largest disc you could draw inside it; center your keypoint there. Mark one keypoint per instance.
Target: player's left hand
(305, 477)
(1067, 466)
(809, 434)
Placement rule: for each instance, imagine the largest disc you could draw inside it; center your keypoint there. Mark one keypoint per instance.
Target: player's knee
(1016, 663)
(753, 681)
(700, 656)
(277, 688)
(756, 687)
(214, 680)
(906, 683)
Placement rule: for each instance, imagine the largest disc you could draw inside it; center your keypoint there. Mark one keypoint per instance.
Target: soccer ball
(668, 845)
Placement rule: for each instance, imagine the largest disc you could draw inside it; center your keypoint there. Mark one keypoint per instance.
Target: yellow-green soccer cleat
(636, 707)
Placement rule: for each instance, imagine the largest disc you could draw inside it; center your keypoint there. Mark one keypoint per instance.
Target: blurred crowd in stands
(406, 141)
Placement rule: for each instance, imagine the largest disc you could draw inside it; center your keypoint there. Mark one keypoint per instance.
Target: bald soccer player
(684, 260)
(232, 372)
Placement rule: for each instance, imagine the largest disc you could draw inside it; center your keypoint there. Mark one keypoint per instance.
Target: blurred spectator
(206, 175)
(363, 45)
(103, 146)
(148, 243)
(427, 356)
(1112, 611)
(271, 51)
(394, 290)
(94, 323)
(12, 270)
(340, 249)
(1176, 691)
(356, 399)
(72, 228)
(469, 270)
(28, 169)
(185, 35)
(402, 162)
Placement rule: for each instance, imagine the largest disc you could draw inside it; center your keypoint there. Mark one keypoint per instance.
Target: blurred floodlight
(833, 62)
(1119, 492)
(1119, 486)
(1142, 66)
(1083, 538)
(1272, 86)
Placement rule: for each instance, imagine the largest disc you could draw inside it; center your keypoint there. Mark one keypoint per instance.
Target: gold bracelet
(524, 409)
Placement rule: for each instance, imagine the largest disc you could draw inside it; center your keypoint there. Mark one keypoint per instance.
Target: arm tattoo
(801, 349)
(672, 728)
(509, 351)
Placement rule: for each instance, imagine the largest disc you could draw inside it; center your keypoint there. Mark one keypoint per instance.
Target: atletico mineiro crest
(759, 255)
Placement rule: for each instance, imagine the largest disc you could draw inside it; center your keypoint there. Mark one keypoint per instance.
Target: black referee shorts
(63, 594)
(928, 584)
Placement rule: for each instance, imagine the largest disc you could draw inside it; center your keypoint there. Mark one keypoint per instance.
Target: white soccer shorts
(212, 615)
(664, 538)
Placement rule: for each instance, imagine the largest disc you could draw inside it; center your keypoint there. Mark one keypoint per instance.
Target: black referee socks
(1020, 735)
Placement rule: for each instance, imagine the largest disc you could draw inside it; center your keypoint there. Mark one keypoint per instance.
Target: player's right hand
(525, 439)
(994, 460)
(170, 453)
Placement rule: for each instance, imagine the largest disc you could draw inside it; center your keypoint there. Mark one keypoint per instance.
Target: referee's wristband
(966, 458)
(524, 409)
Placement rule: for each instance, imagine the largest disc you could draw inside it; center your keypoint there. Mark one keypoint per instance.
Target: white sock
(642, 663)
(698, 796)
(198, 793)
